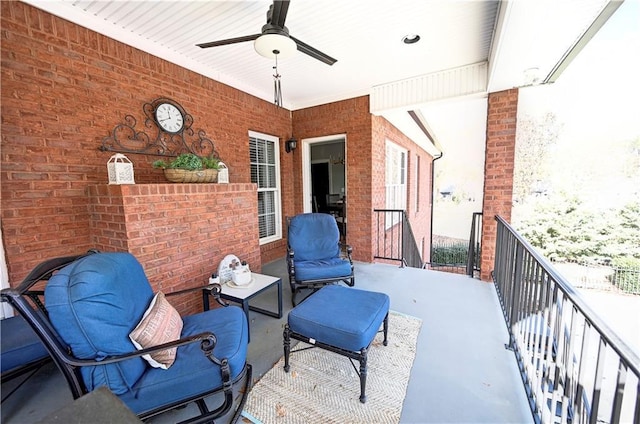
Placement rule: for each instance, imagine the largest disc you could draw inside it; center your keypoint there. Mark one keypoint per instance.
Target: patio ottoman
(340, 319)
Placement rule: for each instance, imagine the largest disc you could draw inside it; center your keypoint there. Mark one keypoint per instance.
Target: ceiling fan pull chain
(276, 85)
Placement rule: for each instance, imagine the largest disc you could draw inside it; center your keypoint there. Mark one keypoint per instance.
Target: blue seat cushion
(93, 304)
(19, 344)
(192, 373)
(340, 316)
(322, 269)
(313, 237)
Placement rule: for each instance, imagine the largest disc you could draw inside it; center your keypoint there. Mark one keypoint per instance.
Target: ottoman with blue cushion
(340, 319)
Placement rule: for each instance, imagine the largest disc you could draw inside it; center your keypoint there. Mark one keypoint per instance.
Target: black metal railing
(394, 238)
(459, 255)
(473, 259)
(574, 367)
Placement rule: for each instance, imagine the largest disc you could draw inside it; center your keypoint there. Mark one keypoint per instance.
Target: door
(323, 159)
(320, 184)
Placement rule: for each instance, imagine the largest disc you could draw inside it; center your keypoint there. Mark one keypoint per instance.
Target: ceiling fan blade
(314, 53)
(279, 12)
(229, 41)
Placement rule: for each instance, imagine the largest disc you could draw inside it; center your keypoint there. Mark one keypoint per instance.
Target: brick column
(498, 171)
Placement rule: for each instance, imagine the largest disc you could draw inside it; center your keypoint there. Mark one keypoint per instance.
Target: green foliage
(189, 161)
(535, 140)
(450, 254)
(564, 229)
(627, 274)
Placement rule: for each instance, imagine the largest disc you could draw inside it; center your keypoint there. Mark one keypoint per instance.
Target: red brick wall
(499, 159)
(63, 89)
(350, 117)
(420, 216)
(365, 153)
(177, 250)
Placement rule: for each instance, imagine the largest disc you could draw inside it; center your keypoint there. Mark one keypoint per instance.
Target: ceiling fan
(274, 40)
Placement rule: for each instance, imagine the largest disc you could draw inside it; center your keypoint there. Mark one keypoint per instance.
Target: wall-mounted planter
(186, 176)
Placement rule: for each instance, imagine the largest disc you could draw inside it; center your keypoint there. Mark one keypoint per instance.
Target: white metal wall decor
(120, 169)
(223, 173)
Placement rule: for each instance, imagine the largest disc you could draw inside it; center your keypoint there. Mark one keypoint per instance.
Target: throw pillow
(161, 323)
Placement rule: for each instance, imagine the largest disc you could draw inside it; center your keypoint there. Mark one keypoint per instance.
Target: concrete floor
(462, 372)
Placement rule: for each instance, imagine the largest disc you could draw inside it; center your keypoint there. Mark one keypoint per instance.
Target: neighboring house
(65, 88)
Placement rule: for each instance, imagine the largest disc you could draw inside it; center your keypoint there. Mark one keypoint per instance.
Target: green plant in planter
(190, 162)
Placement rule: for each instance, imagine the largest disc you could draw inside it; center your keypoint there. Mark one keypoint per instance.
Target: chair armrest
(214, 290)
(192, 289)
(348, 249)
(206, 339)
(290, 264)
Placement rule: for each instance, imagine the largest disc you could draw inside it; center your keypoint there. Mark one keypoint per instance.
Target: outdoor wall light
(290, 144)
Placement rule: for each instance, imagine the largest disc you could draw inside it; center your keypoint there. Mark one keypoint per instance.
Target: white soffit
(410, 93)
(533, 37)
(402, 120)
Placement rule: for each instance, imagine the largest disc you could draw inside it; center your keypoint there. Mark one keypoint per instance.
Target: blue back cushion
(314, 236)
(93, 304)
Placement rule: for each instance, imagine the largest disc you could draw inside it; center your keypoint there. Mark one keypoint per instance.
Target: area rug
(323, 387)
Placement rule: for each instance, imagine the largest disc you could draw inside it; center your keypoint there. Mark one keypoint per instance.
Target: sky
(595, 101)
(596, 97)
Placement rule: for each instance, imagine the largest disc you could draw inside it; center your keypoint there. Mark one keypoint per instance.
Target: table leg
(245, 308)
(280, 298)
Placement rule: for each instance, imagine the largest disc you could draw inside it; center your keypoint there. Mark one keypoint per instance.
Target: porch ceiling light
(272, 45)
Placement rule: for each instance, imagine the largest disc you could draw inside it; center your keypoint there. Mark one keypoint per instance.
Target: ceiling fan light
(268, 45)
(410, 38)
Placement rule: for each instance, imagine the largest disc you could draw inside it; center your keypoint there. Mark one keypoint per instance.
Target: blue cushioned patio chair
(314, 254)
(91, 304)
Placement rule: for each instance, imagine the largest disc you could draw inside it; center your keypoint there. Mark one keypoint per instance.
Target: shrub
(450, 254)
(626, 274)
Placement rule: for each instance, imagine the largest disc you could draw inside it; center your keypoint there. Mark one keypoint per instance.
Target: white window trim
(277, 190)
(396, 150)
(398, 189)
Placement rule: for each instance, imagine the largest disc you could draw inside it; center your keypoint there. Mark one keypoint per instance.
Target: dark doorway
(320, 185)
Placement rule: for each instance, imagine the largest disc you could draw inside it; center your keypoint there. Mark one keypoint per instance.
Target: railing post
(515, 294)
(471, 253)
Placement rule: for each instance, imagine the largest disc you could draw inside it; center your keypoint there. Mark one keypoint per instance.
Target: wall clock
(175, 133)
(169, 117)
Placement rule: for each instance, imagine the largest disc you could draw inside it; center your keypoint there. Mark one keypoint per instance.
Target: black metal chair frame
(315, 285)
(360, 356)
(32, 368)
(23, 300)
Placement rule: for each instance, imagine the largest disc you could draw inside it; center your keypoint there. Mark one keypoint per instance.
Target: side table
(242, 295)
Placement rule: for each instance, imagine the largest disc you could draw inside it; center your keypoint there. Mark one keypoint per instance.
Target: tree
(534, 141)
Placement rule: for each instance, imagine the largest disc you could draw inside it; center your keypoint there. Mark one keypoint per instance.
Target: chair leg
(386, 329)
(287, 347)
(363, 374)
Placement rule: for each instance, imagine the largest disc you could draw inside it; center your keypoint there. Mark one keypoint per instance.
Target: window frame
(395, 190)
(277, 198)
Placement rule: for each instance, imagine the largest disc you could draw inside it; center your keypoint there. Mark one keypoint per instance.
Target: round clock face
(169, 118)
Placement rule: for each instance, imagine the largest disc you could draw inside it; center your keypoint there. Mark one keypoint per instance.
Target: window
(395, 181)
(396, 177)
(265, 172)
(417, 184)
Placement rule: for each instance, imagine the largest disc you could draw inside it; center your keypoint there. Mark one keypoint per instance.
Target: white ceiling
(365, 36)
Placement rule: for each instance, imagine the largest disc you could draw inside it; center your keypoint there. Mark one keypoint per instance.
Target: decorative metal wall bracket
(125, 138)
